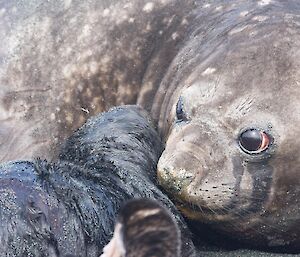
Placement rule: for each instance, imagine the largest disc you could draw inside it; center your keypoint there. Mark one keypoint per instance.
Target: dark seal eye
(180, 115)
(254, 141)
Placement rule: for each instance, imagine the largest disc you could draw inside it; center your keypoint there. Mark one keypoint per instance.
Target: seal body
(68, 208)
(63, 62)
(210, 73)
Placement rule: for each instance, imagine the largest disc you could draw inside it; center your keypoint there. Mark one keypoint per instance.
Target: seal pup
(144, 228)
(69, 207)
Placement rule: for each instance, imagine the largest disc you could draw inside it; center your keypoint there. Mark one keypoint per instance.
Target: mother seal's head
(232, 152)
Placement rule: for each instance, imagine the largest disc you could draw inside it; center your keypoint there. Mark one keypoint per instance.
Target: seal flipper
(144, 228)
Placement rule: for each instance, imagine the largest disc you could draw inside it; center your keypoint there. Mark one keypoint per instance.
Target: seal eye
(181, 116)
(254, 141)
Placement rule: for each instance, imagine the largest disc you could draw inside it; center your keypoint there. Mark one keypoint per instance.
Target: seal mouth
(204, 214)
(214, 215)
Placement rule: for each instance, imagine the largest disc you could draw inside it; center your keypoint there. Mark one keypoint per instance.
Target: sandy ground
(242, 253)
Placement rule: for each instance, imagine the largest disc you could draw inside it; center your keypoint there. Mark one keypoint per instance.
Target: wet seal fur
(68, 208)
(235, 65)
(144, 228)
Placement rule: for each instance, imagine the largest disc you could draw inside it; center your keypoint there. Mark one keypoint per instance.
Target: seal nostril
(180, 114)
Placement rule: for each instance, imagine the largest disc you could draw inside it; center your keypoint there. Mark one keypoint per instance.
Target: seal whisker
(225, 211)
(238, 213)
(237, 226)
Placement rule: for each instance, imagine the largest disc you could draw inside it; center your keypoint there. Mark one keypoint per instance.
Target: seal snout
(177, 171)
(193, 179)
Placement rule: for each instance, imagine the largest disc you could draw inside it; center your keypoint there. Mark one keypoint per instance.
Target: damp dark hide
(68, 208)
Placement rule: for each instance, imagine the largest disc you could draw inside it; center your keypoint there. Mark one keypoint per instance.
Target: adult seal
(220, 78)
(231, 158)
